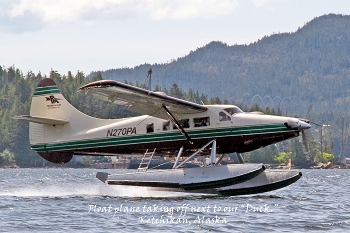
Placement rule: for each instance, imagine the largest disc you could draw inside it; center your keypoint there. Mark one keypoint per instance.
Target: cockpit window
(233, 110)
(224, 117)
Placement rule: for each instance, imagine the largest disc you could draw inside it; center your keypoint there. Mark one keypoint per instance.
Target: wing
(140, 100)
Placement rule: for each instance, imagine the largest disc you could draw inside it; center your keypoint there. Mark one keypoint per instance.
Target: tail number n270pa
(122, 131)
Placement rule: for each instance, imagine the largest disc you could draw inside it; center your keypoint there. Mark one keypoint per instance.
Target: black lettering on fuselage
(121, 132)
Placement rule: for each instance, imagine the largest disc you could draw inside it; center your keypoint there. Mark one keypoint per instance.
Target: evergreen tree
(175, 91)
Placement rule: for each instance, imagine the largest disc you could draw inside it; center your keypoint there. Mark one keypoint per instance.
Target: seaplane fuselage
(169, 127)
(58, 130)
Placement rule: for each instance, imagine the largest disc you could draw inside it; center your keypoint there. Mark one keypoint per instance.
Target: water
(73, 200)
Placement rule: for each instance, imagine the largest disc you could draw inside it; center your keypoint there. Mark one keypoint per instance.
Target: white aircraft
(168, 127)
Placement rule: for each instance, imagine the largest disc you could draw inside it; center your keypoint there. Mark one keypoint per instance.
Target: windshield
(233, 110)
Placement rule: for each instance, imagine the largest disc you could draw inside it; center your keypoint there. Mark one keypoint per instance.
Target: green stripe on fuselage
(46, 90)
(160, 137)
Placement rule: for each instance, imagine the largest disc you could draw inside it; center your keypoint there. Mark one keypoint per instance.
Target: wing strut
(176, 123)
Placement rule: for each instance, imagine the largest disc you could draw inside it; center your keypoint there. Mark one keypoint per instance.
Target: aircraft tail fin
(50, 113)
(49, 107)
(48, 104)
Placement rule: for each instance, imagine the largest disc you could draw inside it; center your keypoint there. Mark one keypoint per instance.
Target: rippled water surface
(73, 200)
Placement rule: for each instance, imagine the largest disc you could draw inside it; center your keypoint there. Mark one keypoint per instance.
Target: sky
(92, 35)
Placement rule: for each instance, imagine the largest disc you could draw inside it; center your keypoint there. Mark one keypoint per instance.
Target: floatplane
(169, 127)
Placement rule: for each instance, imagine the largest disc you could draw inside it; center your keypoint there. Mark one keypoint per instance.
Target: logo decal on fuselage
(52, 99)
(54, 102)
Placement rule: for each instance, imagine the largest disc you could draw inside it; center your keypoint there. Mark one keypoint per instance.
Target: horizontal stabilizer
(42, 120)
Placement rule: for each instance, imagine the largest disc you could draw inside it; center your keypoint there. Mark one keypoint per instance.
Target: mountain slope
(309, 66)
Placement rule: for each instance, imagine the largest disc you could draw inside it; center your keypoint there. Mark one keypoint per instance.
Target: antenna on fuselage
(148, 80)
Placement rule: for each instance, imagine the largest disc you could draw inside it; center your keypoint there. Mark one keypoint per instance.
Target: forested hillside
(308, 67)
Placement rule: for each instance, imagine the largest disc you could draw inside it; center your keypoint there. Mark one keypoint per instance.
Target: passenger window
(166, 125)
(150, 128)
(185, 123)
(203, 121)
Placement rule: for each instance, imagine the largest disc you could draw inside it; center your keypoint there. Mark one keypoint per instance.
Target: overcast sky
(91, 35)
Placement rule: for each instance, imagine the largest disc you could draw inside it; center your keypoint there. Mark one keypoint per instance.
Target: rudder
(49, 112)
(49, 103)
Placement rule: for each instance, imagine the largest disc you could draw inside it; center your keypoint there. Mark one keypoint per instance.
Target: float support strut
(195, 153)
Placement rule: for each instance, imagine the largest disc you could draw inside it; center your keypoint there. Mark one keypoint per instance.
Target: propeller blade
(304, 138)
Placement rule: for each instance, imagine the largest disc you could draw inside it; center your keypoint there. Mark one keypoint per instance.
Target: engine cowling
(57, 157)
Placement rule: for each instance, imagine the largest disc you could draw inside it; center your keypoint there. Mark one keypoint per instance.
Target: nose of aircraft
(303, 125)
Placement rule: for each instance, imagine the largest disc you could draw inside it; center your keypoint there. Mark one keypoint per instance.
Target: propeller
(303, 133)
(303, 125)
(305, 141)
